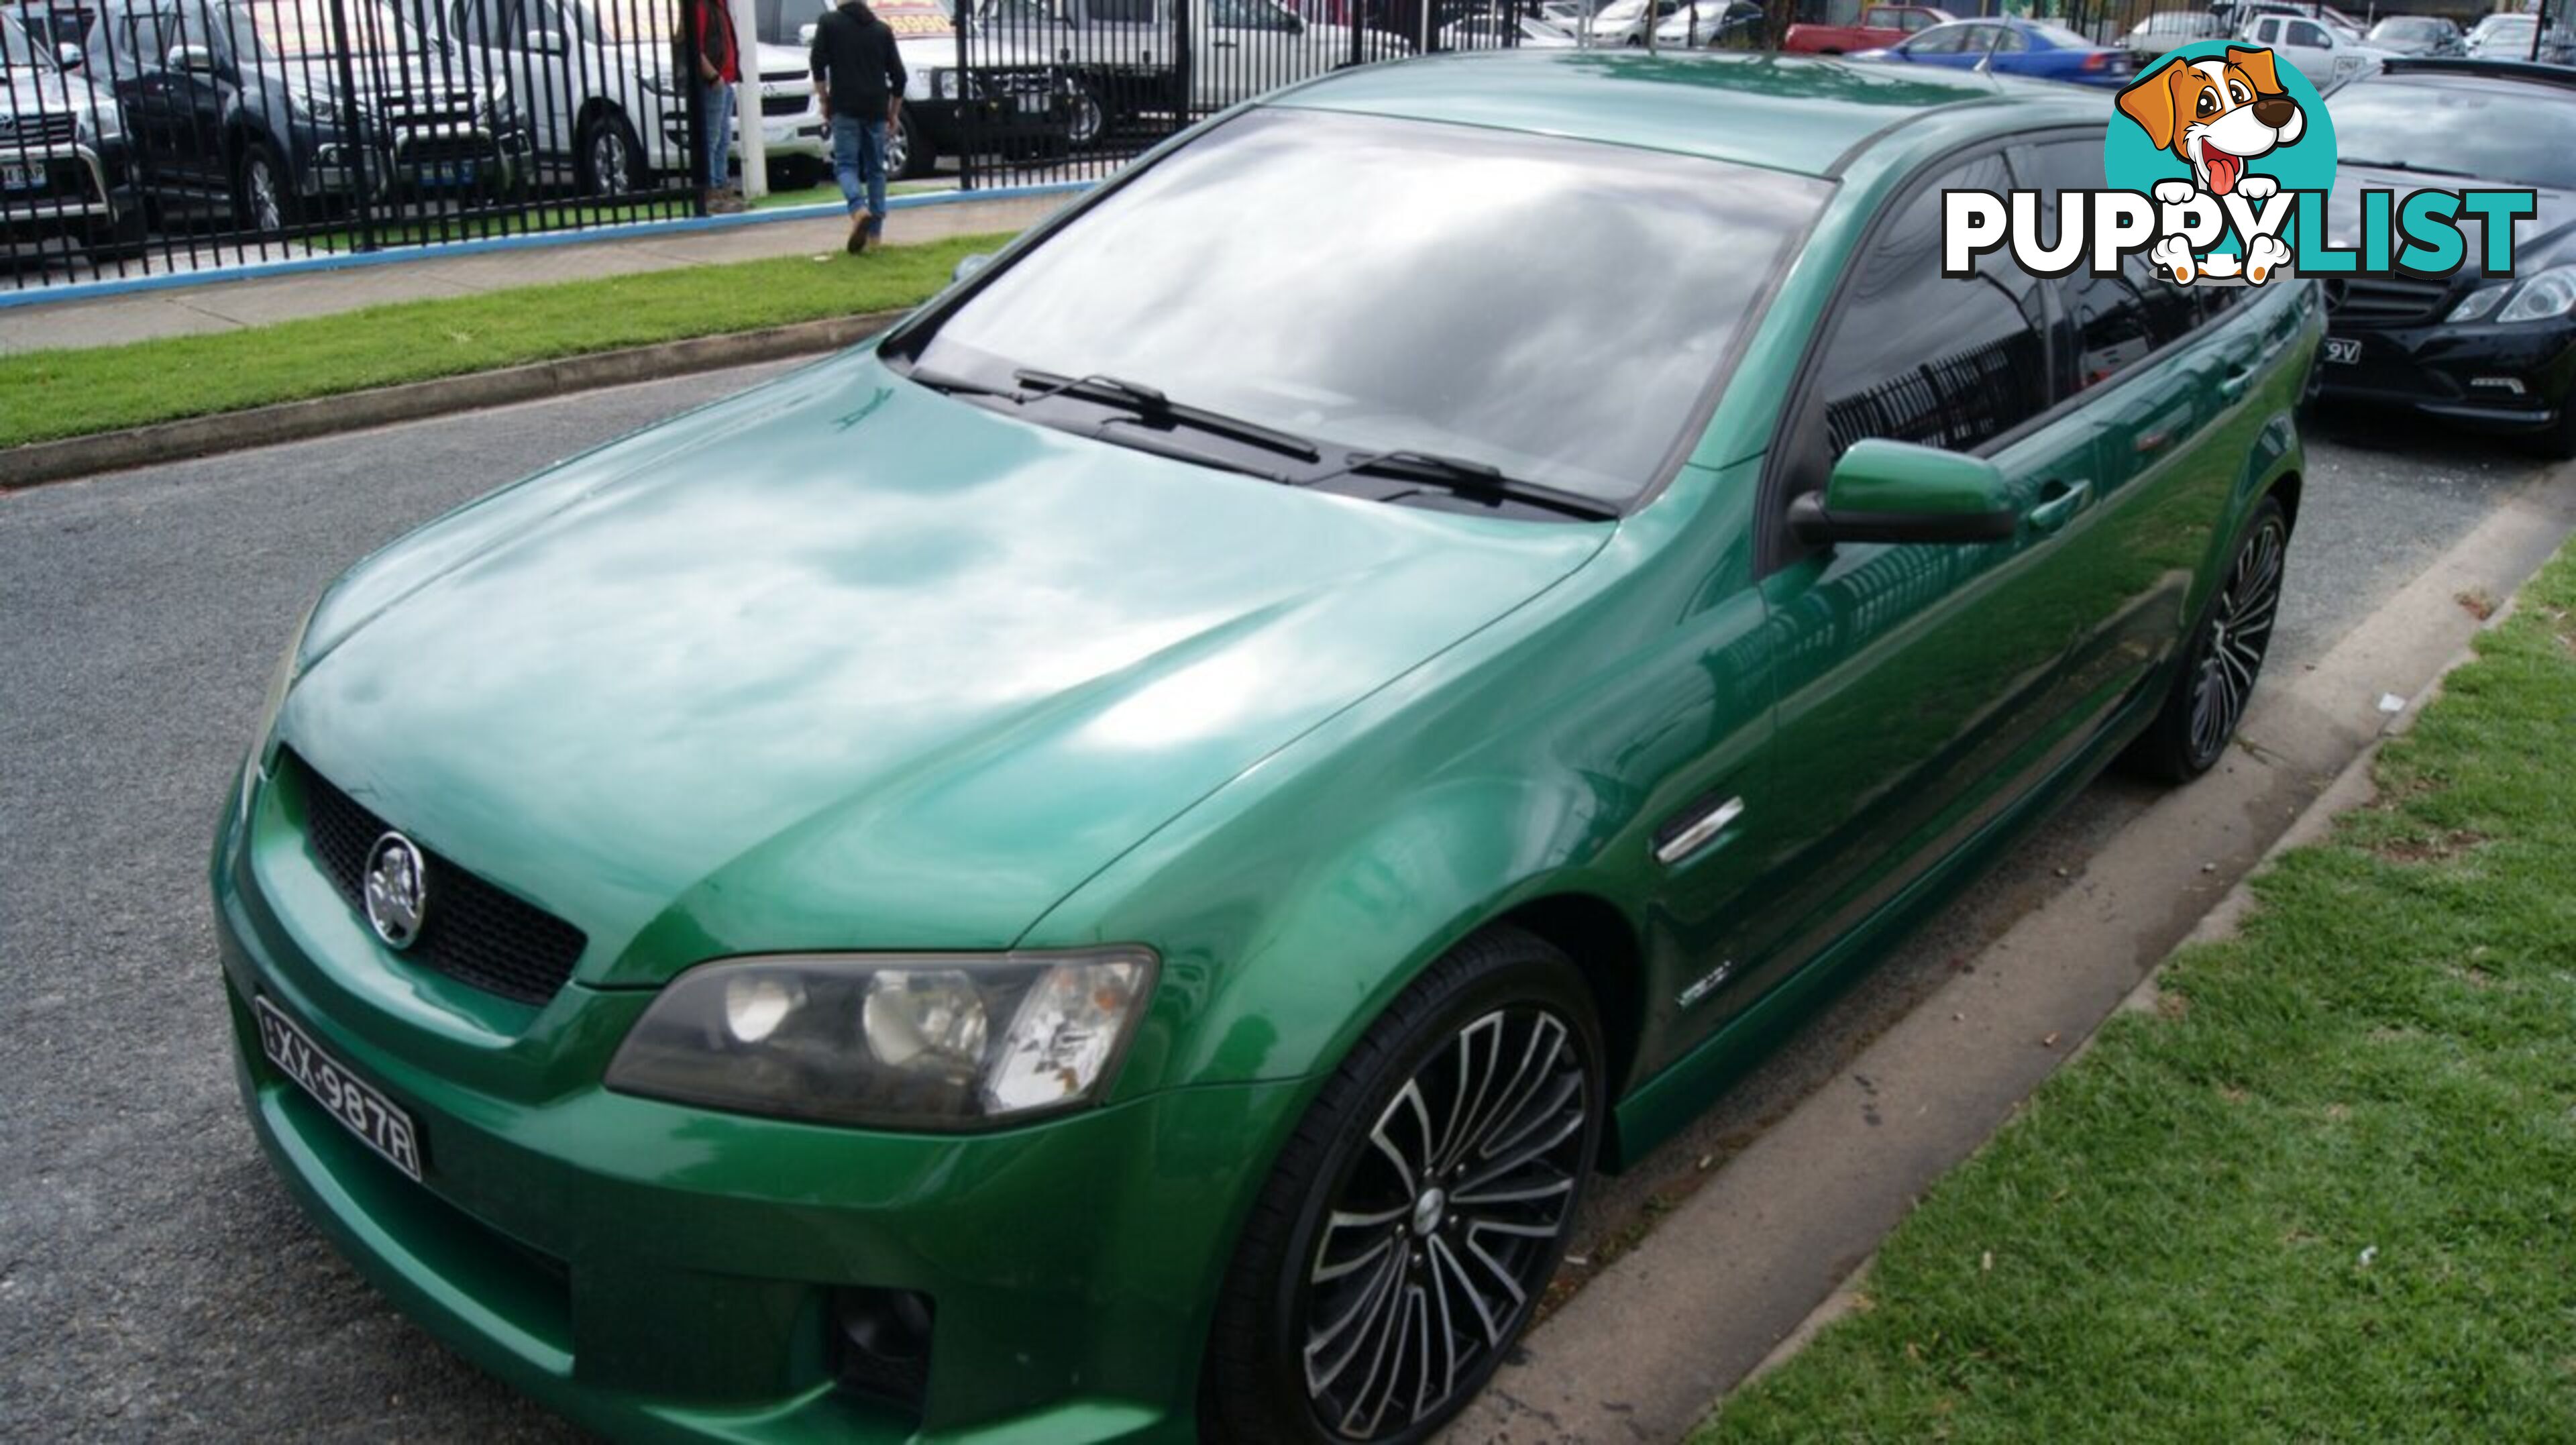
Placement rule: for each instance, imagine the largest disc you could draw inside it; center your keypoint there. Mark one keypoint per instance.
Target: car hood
(29, 90)
(845, 663)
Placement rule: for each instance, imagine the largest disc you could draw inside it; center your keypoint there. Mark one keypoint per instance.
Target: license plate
(22, 178)
(366, 1113)
(2343, 349)
(452, 173)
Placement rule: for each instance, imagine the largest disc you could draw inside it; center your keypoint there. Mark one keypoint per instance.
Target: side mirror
(1889, 491)
(969, 265)
(546, 42)
(194, 59)
(70, 56)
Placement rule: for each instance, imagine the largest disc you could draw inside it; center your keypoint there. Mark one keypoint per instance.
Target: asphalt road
(155, 1282)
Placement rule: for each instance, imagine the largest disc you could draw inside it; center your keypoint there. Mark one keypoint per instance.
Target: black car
(264, 110)
(2419, 35)
(2499, 355)
(65, 180)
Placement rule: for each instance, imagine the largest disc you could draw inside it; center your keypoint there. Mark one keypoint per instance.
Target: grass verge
(45, 395)
(2324, 1192)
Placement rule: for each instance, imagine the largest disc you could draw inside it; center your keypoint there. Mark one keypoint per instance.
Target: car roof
(1808, 115)
(2473, 71)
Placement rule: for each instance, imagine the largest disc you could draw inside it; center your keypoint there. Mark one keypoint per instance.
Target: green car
(1104, 867)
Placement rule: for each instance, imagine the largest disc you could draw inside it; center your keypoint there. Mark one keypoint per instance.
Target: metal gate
(170, 135)
(1046, 90)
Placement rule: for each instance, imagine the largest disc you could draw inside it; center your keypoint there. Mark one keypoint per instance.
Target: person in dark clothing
(859, 75)
(719, 71)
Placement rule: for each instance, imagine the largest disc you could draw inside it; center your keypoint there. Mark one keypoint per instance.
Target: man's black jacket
(855, 61)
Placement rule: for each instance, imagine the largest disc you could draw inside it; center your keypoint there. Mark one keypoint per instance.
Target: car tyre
(1088, 119)
(262, 199)
(1414, 1219)
(2224, 658)
(610, 160)
(909, 153)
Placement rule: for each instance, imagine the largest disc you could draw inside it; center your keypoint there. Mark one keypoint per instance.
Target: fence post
(362, 147)
(749, 123)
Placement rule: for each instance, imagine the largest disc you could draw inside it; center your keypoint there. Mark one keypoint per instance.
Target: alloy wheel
(259, 182)
(2232, 645)
(1439, 1239)
(608, 160)
(898, 150)
(1087, 120)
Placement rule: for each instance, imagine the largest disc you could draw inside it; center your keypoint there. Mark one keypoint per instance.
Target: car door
(1915, 683)
(2147, 363)
(1942, 45)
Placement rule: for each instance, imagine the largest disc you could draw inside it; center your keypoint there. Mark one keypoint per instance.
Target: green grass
(2327, 1191)
(77, 391)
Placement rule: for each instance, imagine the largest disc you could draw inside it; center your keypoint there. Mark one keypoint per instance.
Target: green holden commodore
(1105, 866)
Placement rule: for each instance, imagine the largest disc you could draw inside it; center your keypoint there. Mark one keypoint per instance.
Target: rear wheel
(2211, 692)
(259, 190)
(1412, 1223)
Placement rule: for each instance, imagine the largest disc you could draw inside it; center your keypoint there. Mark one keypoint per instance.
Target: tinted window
(1920, 357)
(1940, 40)
(2112, 321)
(2302, 32)
(1461, 327)
(2495, 131)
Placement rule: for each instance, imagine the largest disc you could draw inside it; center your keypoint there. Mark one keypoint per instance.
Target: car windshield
(14, 47)
(302, 29)
(2512, 134)
(1380, 284)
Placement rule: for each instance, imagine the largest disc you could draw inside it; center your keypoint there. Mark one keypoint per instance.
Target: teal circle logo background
(2131, 161)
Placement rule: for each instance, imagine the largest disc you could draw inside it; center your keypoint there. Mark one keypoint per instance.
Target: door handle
(2052, 513)
(2238, 378)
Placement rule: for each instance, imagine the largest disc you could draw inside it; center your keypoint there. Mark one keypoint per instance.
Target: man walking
(719, 71)
(859, 75)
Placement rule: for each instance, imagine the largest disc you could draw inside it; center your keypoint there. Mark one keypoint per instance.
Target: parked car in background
(2497, 355)
(2511, 37)
(2038, 49)
(1880, 26)
(2327, 54)
(2241, 15)
(264, 113)
(1111, 871)
(66, 169)
(1712, 24)
(2171, 29)
(2434, 35)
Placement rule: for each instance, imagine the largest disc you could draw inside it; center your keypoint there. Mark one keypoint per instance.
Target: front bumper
(80, 190)
(658, 1271)
(2485, 374)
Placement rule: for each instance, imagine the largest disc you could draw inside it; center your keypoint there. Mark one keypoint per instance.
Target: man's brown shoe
(858, 233)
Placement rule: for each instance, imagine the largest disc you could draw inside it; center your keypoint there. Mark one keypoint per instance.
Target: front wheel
(611, 160)
(259, 190)
(2225, 656)
(1413, 1221)
(908, 151)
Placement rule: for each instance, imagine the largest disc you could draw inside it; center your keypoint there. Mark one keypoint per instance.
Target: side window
(2111, 322)
(2007, 39)
(1945, 41)
(1921, 357)
(485, 23)
(2267, 31)
(1912, 21)
(2307, 33)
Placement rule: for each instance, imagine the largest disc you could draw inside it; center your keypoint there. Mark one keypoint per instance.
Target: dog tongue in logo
(2223, 169)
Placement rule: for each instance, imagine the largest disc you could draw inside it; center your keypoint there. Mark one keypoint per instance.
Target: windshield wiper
(942, 382)
(2401, 166)
(1153, 406)
(1461, 474)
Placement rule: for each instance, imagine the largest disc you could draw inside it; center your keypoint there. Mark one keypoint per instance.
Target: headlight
(943, 85)
(2478, 303)
(496, 104)
(926, 1041)
(2540, 297)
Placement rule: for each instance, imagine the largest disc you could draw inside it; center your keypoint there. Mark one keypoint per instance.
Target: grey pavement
(155, 1281)
(230, 305)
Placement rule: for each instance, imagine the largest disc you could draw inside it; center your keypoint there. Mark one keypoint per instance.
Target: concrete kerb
(74, 457)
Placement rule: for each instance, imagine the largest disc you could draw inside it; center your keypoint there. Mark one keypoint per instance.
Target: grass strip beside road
(46, 395)
(2323, 1192)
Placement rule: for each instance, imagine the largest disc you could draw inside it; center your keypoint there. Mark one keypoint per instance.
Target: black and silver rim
(259, 185)
(608, 160)
(1087, 117)
(898, 150)
(1440, 1236)
(2232, 647)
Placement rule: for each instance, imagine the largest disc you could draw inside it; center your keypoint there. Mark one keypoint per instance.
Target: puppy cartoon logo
(2215, 114)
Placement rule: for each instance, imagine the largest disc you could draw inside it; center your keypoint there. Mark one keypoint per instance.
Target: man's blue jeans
(717, 107)
(858, 163)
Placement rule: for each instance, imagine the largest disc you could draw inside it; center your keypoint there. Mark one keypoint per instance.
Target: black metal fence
(1042, 90)
(172, 135)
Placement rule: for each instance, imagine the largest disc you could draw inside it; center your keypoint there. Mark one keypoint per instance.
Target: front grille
(782, 104)
(39, 130)
(474, 932)
(424, 150)
(2385, 300)
(428, 108)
